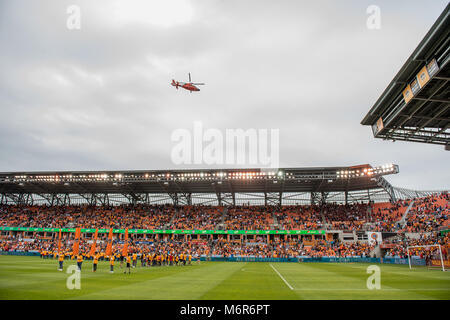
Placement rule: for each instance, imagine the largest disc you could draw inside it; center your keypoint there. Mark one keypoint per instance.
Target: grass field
(35, 278)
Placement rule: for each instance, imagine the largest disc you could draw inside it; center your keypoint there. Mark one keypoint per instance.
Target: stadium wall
(390, 260)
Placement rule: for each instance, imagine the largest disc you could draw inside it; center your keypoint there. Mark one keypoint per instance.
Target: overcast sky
(99, 98)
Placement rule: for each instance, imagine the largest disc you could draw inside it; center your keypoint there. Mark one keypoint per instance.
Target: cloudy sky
(99, 98)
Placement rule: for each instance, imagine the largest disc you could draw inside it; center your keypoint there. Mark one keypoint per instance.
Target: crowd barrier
(18, 253)
(414, 260)
(340, 260)
(247, 259)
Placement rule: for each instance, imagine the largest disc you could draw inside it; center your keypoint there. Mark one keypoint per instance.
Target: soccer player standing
(61, 261)
(143, 259)
(111, 264)
(94, 265)
(128, 258)
(79, 261)
(134, 260)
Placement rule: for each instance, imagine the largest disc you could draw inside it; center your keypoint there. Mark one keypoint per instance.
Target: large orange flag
(92, 251)
(76, 244)
(109, 246)
(125, 246)
(59, 241)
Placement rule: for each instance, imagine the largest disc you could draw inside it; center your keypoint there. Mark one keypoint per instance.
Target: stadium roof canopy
(211, 186)
(415, 105)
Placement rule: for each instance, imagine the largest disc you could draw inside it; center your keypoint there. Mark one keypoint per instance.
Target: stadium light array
(367, 172)
(199, 176)
(169, 176)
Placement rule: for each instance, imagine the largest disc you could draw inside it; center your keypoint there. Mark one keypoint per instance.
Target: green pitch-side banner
(142, 231)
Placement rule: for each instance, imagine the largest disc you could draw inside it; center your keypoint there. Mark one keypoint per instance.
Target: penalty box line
(279, 274)
(354, 289)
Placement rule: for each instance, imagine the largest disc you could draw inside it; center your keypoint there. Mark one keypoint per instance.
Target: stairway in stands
(369, 224)
(168, 225)
(221, 224)
(376, 252)
(275, 224)
(325, 225)
(405, 215)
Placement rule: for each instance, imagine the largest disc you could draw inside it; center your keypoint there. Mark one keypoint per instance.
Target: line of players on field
(147, 260)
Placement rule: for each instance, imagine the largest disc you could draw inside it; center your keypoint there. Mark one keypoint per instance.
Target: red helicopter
(191, 86)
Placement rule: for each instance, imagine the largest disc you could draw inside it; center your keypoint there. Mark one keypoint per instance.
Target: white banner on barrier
(374, 237)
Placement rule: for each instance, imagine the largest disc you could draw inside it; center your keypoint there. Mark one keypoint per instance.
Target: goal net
(432, 254)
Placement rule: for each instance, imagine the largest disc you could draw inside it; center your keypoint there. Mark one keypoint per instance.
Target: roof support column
(323, 197)
(314, 198)
(387, 187)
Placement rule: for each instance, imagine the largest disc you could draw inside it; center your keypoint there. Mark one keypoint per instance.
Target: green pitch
(35, 278)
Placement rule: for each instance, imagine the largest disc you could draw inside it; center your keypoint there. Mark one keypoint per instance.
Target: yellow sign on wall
(423, 77)
(407, 94)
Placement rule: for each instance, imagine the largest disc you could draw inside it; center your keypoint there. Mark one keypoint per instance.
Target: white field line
(354, 289)
(287, 283)
(360, 289)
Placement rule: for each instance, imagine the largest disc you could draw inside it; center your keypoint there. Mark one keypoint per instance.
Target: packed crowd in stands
(356, 249)
(346, 217)
(426, 216)
(127, 216)
(400, 245)
(386, 216)
(334, 216)
(248, 218)
(285, 249)
(196, 217)
(279, 248)
(299, 217)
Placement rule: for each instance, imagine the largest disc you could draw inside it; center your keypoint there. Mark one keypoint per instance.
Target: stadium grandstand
(415, 105)
(288, 213)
